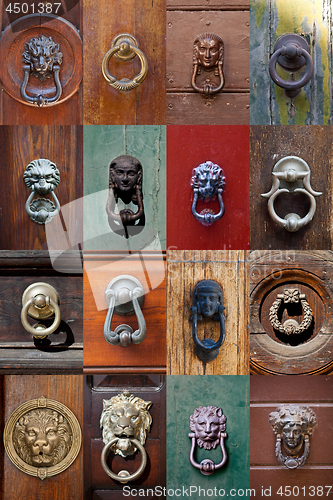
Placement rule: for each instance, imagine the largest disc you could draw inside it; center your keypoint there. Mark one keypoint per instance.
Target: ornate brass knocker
(40, 301)
(293, 426)
(208, 53)
(125, 420)
(207, 182)
(208, 431)
(125, 296)
(291, 175)
(41, 58)
(124, 47)
(42, 177)
(290, 326)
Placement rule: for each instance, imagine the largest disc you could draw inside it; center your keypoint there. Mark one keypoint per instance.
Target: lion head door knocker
(291, 296)
(125, 184)
(291, 175)
(42, 58)
(293, 426)
(207, 182)
(208, 57)
(125, 420)
(42, 437)
(207, 304)
(42, 177)
(208, 431)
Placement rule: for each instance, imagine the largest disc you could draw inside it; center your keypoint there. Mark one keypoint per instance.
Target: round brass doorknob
(124, 476)
(40, 301)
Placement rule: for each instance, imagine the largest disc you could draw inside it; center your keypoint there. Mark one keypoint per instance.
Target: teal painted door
(102, 144)
(270, 19)
(184, 395)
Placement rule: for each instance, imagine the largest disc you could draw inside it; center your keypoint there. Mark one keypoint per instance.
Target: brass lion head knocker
(208, 51)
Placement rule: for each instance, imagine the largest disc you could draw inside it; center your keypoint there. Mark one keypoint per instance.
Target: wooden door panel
(21, 145)
(150, 354)
(104, 20)
(98, 387)
(305, 352)
(269, 145)
(67, 390)
(311, 19)
(188, 147)
(185, 270)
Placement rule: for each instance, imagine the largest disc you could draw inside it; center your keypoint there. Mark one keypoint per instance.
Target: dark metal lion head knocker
(208, 50)
(125, 183)
(41, 54)
(207, 182)
(293, 426)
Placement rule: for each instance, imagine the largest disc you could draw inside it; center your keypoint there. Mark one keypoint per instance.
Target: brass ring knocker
(124, 476)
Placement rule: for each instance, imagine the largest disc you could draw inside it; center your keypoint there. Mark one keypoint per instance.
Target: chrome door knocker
(208, 304)
(42, 177)
(208, 51)
(125, 420)
(290, 326)
(125, 184)
(208, 431)
(207, 182)
(291, 175)
(293, 426)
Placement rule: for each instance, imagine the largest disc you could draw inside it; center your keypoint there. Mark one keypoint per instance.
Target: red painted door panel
(187, 147)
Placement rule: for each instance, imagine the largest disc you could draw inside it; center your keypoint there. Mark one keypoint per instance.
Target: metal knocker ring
(40, 100)
(290, 326)
(207, 182)
(124, 47)
(40, 301)
(124, 476)
(207, 466)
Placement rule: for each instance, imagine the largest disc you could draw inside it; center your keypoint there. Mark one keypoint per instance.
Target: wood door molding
(310, 352)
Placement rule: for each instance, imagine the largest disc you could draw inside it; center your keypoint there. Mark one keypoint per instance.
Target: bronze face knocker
(125, 183)
(208, 53)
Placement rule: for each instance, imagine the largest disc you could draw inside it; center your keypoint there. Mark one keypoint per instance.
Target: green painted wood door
(102, 144)
(184, 394)
(312, 19)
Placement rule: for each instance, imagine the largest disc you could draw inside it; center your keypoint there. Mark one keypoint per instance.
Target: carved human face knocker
(293, 426)
(125, 183)
(208, 430)
(125, 420)
(208, 56)
(207, 182)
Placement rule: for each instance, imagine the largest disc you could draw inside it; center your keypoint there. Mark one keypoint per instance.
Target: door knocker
(125, 420)
(208, 430)
(41, 58)
(42, 437)
(124, 47)
(124, 296)
(40, 301)
(42, 177)
(207, 182)
(290, 326)
(291, 175)
(293, 426)
(292, 53)
(207, 303)
(125, 184)
(208, 56)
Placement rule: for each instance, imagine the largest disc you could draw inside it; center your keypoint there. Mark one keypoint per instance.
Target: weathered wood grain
(208, 4)
(185, 269)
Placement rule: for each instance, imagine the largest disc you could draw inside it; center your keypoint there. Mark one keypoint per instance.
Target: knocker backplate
(12, 47)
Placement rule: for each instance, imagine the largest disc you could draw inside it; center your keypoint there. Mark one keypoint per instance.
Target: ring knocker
(124, 476)
(207, 182)
(41, 49)
(208, 303)
(291, 52)
(208, 425)
(40, 301)
(208, 51)
(124, 47)
(290, 326)
(124, 295)
(291, 175)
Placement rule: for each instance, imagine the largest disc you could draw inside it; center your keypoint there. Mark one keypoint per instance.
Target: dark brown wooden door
(32, 20)
(102, 21)
(97, 484)
(291, 312)
(307, 481)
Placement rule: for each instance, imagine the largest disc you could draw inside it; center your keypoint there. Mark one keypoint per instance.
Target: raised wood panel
(19, 146)
(150, 354)
(102, 21)
(268, 145)
(185, 269)
(67, 390)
